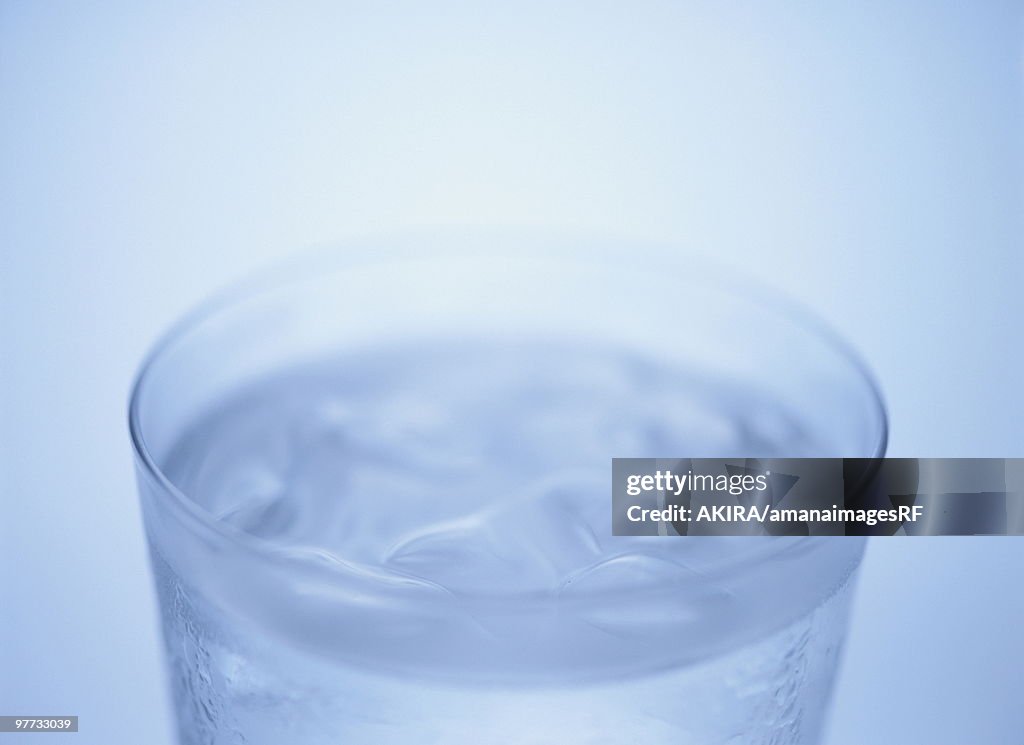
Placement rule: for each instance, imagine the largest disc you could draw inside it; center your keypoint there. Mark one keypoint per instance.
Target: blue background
(865, 157)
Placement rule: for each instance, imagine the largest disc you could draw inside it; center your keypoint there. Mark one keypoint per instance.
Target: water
(470, 483)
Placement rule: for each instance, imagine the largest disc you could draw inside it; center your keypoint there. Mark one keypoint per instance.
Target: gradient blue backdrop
(866, 157)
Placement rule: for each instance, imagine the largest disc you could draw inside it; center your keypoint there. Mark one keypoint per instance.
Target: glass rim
(339, 257)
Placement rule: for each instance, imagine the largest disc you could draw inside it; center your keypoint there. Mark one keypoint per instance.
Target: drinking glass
(532, 627)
